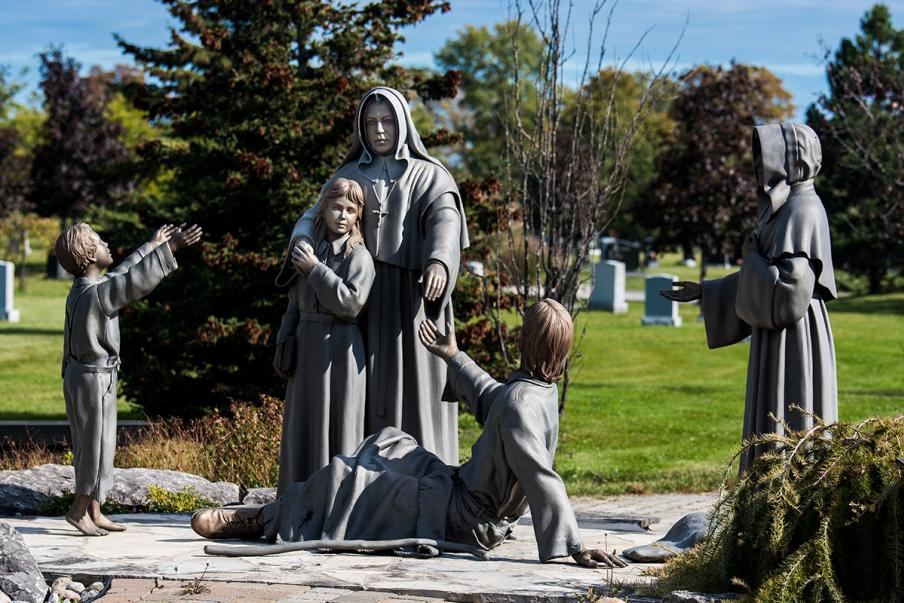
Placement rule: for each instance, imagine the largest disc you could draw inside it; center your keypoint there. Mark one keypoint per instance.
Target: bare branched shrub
(566, 161)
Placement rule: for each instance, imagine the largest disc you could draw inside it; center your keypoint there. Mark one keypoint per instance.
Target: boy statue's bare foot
(85, 526)
(102, 522)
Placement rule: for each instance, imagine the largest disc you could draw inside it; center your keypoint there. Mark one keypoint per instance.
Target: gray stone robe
(324, 410)
(420, 220)
(392, 488)
(91, 360)
(779, 295)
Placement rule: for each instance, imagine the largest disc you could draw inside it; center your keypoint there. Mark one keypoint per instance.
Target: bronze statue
(779, 296)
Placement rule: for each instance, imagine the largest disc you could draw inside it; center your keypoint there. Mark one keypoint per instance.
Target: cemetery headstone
(609, 287)
(658, 310)
(7, 280)
(621, 250)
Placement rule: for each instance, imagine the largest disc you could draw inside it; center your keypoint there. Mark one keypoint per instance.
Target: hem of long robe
(390, 488)
(791, 366)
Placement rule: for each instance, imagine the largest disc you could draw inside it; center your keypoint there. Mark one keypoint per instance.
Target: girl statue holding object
(319, 346)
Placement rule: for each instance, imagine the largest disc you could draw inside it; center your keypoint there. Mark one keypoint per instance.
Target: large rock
(687, 531)
(26, 491)
(685, 596)
(20, 578)
(130, 486)
(259, 496)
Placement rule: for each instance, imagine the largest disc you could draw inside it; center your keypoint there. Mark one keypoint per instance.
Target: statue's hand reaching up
(689, 291)
(184, 238)
(436, 343)
(162, 235)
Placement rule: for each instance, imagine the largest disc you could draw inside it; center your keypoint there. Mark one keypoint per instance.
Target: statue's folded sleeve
(774, 295)
(723, 327)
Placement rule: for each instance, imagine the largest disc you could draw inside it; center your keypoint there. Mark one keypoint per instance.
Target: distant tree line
(238, 122)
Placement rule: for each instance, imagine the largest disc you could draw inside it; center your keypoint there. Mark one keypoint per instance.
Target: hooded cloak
(791, 155)
(778, 297)
(420, 220)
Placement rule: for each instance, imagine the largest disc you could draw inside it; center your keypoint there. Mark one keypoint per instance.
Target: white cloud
(801, 69)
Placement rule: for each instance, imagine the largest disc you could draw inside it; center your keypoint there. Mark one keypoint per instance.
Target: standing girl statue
(319, 346)
(414, 227)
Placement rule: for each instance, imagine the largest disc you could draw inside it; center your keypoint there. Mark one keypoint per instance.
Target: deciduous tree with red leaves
(705, 191)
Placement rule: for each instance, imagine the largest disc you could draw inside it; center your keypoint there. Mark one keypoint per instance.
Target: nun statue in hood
(779, 296)
(414, 227)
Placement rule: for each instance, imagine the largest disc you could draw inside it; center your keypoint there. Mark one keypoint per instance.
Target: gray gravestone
(609, 287)
(7, 311)
(658, 310)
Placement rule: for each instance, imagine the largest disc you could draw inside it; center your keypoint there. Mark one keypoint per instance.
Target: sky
(786, 36)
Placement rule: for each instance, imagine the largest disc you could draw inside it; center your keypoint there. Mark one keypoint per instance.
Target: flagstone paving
(161, 559)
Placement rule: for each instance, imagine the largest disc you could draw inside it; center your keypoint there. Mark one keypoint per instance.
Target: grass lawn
(31, 352)
(670, 264)
(651, 409)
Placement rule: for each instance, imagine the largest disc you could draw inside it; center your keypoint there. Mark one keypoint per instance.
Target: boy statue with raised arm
(91, 352)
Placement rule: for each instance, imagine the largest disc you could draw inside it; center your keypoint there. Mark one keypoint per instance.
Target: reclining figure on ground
(392, 489)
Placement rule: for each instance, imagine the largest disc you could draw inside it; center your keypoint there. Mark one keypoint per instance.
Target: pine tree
(861, 126)
(260, 100)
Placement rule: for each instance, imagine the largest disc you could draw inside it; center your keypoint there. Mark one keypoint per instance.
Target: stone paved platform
(160, 555)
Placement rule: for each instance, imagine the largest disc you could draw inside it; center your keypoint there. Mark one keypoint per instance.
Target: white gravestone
(609, 287)
(7, 279)
(658, 310)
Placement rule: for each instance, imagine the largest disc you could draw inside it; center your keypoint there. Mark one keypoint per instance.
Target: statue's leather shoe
(238, 522)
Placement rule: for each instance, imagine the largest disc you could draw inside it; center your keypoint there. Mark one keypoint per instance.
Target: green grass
(670, 264)
(31, 352)
(650, 409)
(653, 409)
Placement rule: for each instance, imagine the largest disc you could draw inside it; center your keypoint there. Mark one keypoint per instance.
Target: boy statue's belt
(324, 318)
(96, 368)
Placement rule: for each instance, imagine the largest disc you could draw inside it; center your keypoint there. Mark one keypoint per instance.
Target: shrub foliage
(820, 517)
(241, 446)
(259, 99)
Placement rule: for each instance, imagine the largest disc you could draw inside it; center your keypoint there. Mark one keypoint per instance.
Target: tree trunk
(563, 395)
(687, 251)
(875, 279)
(703, 258)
